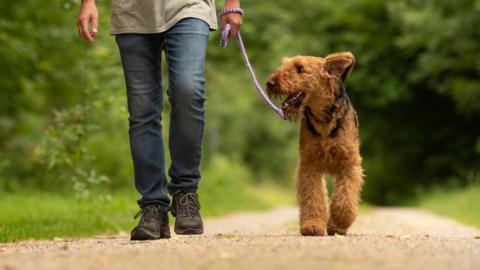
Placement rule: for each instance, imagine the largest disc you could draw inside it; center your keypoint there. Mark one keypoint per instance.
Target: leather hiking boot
(186, 209)
(153, 224)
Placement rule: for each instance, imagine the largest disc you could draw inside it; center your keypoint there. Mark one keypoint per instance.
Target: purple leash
(243, 51)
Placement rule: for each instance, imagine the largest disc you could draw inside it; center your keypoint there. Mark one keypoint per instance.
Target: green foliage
(62, 155)
(447, 60)
(63, 117)
(40, 215)
(460, 203)
(228, 182)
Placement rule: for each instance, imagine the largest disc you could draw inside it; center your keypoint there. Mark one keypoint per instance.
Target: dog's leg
(313, 201)
(345, 199)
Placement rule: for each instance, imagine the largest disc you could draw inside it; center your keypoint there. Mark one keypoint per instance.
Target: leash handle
(227, 28)
(226, 32)
(224, 42)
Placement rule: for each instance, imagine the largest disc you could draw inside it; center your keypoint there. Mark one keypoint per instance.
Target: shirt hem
(163, 28)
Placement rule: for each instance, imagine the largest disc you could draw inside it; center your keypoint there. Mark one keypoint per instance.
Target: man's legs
(185, 48)
(141, 58)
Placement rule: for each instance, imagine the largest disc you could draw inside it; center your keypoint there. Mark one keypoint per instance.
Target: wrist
(88, 2)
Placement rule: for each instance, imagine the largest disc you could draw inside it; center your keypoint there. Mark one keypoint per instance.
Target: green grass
(461, 204)
(45, 215)
(40, 215)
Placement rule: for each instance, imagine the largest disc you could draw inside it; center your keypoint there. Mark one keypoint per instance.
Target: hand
(234, 19)
(88, 18)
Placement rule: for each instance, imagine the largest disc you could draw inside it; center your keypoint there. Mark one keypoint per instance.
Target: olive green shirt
(156, 16)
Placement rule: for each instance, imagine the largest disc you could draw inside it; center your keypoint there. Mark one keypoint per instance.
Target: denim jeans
(185, 48)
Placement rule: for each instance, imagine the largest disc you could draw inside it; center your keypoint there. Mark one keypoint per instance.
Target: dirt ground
(385, 238)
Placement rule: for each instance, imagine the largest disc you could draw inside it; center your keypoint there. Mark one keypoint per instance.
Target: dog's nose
(270, 84)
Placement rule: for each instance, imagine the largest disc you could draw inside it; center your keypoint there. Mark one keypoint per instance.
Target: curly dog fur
(329, 139)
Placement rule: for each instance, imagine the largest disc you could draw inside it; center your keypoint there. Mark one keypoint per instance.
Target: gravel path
(386, 238)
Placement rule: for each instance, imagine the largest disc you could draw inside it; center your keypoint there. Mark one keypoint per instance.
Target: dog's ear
(340, 64)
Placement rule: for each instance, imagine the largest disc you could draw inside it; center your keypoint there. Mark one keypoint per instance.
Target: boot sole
(142, 235)
(188, 231)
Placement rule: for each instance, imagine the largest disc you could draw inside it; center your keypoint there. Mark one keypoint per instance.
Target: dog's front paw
(312, 229)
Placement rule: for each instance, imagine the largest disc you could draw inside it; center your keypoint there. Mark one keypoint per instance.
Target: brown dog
(329, 139)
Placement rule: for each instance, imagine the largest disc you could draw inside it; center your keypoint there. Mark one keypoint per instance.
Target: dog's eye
(300, 69)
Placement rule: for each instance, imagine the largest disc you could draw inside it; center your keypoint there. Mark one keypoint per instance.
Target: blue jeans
(185, 48)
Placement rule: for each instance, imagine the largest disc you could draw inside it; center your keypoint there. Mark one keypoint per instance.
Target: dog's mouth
(292, 104)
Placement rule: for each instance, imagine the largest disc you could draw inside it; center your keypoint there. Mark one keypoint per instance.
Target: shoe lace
(148, 213)
(189, 203)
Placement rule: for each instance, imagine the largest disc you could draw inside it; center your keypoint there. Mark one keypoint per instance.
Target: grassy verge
(461, 204)
(41, 215)
(45, 215)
